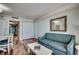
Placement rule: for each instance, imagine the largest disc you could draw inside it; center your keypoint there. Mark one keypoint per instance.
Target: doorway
(14, 28)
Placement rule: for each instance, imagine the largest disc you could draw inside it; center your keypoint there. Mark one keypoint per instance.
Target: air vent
(14, 17)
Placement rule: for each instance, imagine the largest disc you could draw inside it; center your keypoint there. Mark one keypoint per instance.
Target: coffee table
(42, 51)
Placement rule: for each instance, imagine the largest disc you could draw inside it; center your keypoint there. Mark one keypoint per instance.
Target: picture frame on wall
(59, 24)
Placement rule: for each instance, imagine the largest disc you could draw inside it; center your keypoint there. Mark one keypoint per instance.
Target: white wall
(4, 26)
(26, 27)
(42, 25)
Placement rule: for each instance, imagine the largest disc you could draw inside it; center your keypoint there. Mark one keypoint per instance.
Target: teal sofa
(60, 44)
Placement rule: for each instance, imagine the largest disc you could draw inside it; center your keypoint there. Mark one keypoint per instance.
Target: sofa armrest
(71, 46)
(41, 38)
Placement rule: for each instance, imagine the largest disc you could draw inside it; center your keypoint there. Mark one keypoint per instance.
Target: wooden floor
(20, 47)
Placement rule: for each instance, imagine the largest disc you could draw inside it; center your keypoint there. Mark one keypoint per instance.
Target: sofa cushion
(65, 38)
(46, 41)
(57, 52)
(59, 46)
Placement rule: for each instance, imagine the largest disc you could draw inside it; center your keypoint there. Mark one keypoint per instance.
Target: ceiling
(33, 10)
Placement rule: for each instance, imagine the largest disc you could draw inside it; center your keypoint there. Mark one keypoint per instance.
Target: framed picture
(58, 24)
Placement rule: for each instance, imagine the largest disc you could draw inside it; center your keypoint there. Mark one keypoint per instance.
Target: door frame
(18, 22)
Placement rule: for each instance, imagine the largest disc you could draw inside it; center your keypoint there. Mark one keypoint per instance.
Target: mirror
(58, 24)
